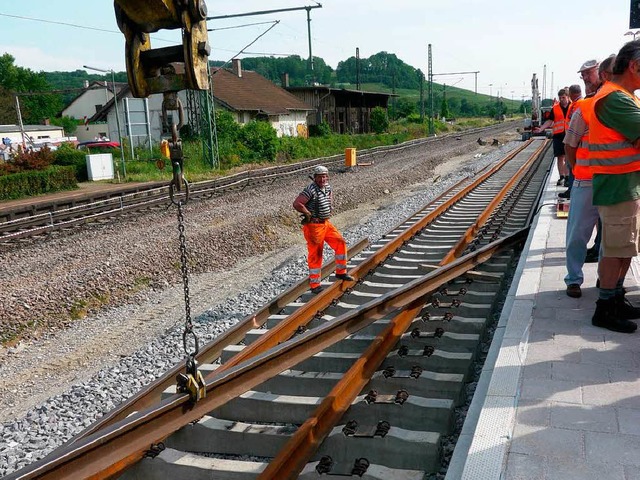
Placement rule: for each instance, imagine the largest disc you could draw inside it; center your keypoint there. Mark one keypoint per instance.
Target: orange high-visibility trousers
(316, 234)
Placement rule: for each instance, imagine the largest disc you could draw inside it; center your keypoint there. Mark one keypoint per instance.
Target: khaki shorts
(620, 229)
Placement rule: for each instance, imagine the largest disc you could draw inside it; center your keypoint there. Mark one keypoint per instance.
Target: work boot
(317, 290)
(626, 310)
(344, 276)
(566, 195)
(607, 316)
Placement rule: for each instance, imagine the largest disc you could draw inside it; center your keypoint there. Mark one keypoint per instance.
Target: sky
(505, 41)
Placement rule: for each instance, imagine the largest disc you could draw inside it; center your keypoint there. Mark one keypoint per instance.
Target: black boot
(626, 310)
(607, 316)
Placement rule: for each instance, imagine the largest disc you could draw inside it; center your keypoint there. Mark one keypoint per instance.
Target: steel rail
(293, 457)
(301, 447)
(468, 236)
(209, 352)
(110, 451)
(303, 315)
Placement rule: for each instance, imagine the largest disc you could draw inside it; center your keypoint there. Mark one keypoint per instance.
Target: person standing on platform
(315, 203)
(575, 95)
(614, 159)
(559, 121)
(583, 215)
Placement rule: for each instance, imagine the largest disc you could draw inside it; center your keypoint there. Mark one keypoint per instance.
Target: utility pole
(421, 80)
(24, 145)
(309, 38)
(357, 68)
(430, 73)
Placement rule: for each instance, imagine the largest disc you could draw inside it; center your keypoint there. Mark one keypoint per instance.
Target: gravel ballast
(100, 310)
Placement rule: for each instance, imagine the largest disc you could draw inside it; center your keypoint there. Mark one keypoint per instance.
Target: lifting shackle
(167, 69)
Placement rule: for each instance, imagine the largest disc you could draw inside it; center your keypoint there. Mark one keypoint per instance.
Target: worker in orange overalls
(315, 203)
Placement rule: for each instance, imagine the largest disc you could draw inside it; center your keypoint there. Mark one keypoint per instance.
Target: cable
(276, 22)
(73, 25)
(236, 26)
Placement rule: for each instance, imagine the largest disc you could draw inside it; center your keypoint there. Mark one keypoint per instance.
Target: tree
(379, 120)
(14, 79)
(69, 124)
(404, 108)
(444, 109)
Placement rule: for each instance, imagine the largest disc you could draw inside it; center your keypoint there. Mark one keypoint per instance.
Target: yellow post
(350, 157)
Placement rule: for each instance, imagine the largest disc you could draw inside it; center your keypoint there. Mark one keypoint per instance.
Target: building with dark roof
(346, 111)
(250, 96)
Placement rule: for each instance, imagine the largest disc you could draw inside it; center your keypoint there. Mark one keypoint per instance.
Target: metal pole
(127, 116)
(431, 126)
(24, 145)
(115, 100)
(309, 37)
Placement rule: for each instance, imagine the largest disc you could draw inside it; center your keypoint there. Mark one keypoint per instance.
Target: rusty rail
(110, 451)
(121, 441)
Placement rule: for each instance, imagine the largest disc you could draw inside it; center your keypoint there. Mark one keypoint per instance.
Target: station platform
(558, 399)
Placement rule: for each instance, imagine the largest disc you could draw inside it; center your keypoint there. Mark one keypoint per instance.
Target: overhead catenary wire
(275, 22)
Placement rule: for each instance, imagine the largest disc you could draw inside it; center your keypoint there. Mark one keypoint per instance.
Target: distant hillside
(382, 72)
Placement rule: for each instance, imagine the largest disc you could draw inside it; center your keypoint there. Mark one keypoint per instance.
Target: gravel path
(100, 310)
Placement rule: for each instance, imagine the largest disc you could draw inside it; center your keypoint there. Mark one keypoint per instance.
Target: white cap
(320, 170)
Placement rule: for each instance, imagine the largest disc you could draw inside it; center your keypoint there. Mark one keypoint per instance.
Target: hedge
(36, 182)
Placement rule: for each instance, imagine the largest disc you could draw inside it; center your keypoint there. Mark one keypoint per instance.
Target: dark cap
(588, 65)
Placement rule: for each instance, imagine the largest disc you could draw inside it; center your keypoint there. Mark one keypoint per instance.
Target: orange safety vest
(609, 151)
(560, 122)
(581, 169)
(573, 106)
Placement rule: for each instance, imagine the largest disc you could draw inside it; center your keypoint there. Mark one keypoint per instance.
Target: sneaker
(574, 290)
(626, 310)
(566, 194)
(591, 257)
(560, 181)
(317, 290)
(344, 276)
(606, 316)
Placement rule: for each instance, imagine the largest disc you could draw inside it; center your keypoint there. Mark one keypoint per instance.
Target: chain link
(188, 325)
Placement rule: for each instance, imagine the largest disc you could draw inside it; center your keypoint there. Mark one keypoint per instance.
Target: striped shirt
(320, 202)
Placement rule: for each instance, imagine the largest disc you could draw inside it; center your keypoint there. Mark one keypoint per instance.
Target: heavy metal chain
(188, 325)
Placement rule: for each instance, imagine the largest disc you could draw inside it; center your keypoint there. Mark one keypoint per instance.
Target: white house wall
(85, 104)
(287, 125)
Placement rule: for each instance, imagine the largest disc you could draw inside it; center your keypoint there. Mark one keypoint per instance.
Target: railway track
(42, 218)
(359, 380)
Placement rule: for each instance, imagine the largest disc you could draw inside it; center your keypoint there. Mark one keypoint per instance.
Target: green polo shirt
(619, 112)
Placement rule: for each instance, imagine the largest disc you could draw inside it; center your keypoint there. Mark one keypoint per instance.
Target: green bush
(67, 155)
(261, 139)
(36, 182)
(379, 121)
(321, 130)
